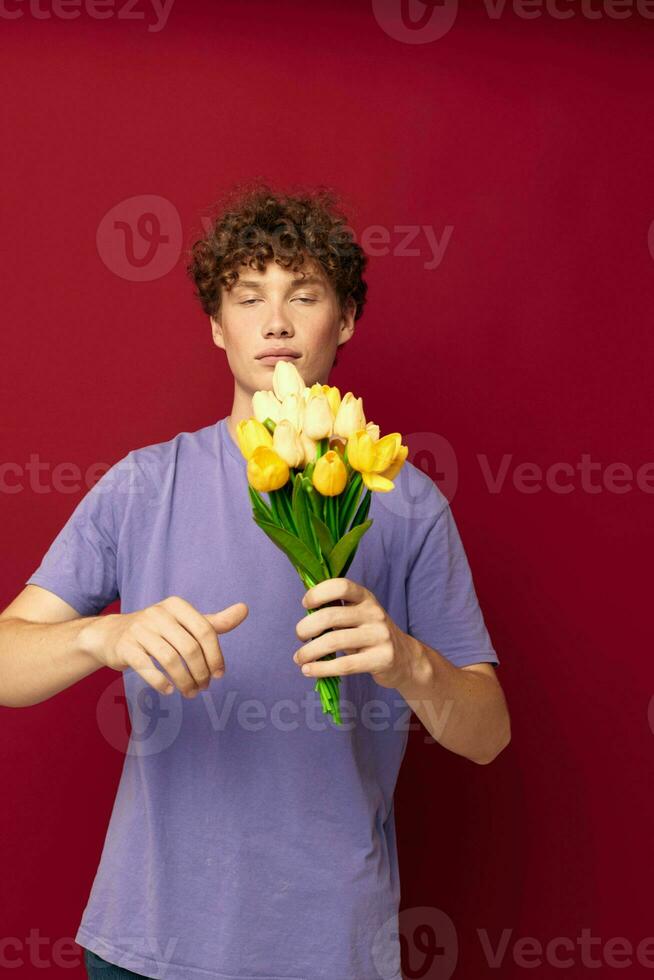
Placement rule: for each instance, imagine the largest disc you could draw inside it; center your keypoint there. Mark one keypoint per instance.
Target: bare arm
(46, 646)
(42, 647)
(463, 708)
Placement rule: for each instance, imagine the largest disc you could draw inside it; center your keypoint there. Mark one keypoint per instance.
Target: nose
(277, 322)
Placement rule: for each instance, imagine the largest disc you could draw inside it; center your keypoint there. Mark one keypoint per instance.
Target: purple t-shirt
(251, 838)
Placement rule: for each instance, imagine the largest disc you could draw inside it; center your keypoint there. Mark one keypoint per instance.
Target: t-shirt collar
(228, 442)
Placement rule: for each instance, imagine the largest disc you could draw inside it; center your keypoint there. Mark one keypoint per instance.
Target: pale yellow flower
(287, 380)
(318, 421)
(265, 406)
(287, 444)
(292, 409)
(350, 416)
(309, 445)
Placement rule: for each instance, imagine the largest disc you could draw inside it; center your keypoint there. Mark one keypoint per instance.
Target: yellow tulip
(378, 460)
(334, 398)
(287, 444)
(287, 380)
(250, 434)
(397, 463)
(266, 470)
(318, 421)
(265, 406)
(350, 416)
(329, 474)
(373, 430)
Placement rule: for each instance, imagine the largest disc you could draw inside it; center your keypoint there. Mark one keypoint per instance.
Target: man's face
(279, 308)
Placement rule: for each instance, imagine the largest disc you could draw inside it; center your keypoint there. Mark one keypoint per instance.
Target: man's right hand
(171, 634)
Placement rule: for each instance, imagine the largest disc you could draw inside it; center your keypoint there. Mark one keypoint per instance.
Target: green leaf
(280, 515)
(259, 505)
(315, 499)
(328, 516)
(364, 507)
(285, 509)
(302, 512)
(323, 534)
(349, 501)
(294, 549)
(345, 548)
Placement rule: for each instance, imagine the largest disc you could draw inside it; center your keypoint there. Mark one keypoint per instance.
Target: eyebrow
(253, 284)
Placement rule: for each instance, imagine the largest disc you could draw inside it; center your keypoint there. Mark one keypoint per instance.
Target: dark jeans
(99, 969)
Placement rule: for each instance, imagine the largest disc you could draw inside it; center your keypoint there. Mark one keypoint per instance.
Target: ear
(347, 321)
(217, 331)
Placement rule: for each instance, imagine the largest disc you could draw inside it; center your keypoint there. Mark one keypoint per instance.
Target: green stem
(328, 688)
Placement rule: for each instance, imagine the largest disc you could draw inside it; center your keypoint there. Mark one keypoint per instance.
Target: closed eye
(302, 299)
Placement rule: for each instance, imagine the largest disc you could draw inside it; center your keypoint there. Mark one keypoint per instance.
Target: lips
(278, 352)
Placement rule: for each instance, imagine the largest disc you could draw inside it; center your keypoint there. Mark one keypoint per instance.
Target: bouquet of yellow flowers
(312, 452)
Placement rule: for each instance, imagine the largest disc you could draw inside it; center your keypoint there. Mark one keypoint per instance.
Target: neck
(241, 409)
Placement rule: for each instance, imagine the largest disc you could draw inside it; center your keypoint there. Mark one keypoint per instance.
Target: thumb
(228, 618)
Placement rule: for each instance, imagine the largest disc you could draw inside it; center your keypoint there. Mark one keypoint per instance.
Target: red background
(533, 140)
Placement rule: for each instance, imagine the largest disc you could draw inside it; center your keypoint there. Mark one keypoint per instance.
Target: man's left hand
(362, 628)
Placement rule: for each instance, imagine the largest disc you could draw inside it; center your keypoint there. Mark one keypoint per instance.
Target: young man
(250, 836)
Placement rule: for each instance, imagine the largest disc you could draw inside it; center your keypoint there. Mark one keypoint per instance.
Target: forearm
(465, 711)
(38, 660)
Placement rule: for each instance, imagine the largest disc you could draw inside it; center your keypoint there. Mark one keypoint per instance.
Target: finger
(167, 656)
(204, 627)
(205, 635)
(333, 588)
(329, 618)
(334, 640)
(352, 664)
(139, 661)
(187, 646)
(228, 618)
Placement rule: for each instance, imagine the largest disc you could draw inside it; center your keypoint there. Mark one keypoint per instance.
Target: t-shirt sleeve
(80, 564)
(442, 606)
